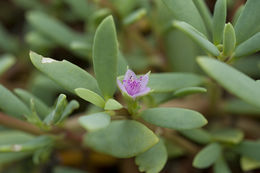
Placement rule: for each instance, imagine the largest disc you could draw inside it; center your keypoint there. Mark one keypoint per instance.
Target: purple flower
(134, 86)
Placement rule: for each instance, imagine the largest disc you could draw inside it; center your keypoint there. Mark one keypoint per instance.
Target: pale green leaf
(152, 160)
(95, 121)
(65, 73)
(232, 80)
(221, 166)
(185, 10)
(248, 164)
(122, 138)
(250, 46)
(205, 14)
(219, 20)
(11, 104)
(207, 156)
(249, 149)
(188, 91)
(248, 22)
(230, 136)
(105, 57)
(42, 109)
(169, 82)
(229, 40)
(200, 136)
(134, 16)
(112, 104)
(6, 61)
(90, 96)
(174, 118)
(198, 37)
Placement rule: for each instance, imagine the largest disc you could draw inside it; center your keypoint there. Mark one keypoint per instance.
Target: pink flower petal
(121, 86)
(128, 75)
(144, 80)
(142, 92)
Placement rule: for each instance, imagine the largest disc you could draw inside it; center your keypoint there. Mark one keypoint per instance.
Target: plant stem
(14, 123)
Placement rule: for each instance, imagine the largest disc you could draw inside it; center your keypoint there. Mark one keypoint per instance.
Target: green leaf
(188, 91)
(169, 82)
(134, 16)
(56, 114)
(112, 104)
(231, 79)
(6, 61)
(174, 41)
(205, 14)
(152, 160)
(207, 156)
(121, 64)
(249, 149)
(95, 121)
(250, 46)
(11, 104)
(248, 22)
(80, 8)
(237, 14)
(185, 10)
(231, 136)
(248, 164)
(236, 106)
(64, 73)
(229, 40)
(52, 28)
(174, 118)
(31, 145)
(198, 37)
(219, 20)
(63, 169)
(7, 42)
(72, 105)
(41, 108)
(134, 137)
(105, 55)
(197, 135)
(90, 96)
(221, 166)
(10, 138)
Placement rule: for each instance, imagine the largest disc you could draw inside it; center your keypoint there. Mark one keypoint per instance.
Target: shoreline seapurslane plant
(144, 98)
(128, 137)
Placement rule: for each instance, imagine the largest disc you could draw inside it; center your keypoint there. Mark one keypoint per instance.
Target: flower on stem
(134, 86)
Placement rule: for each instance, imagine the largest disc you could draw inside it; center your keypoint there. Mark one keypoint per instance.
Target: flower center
(132, 86)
